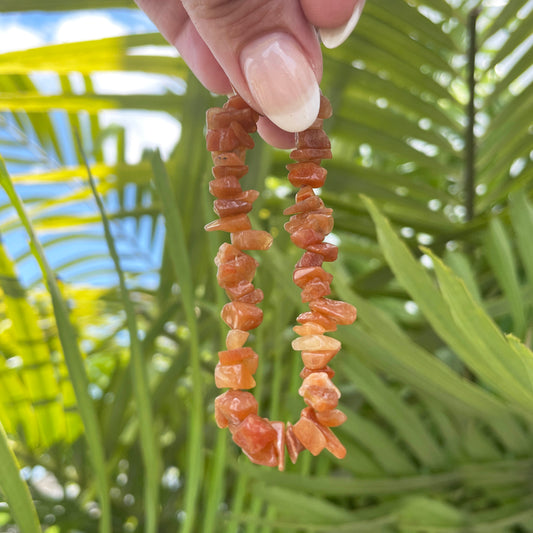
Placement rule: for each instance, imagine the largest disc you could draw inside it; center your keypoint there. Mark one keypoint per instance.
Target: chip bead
(232, 407)
(233, 377)
(242, 315)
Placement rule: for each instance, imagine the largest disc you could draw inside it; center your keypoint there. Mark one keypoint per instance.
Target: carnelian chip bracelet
(264, 441)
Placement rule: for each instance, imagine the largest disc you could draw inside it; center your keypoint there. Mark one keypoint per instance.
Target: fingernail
(281, 81)
(333, 37)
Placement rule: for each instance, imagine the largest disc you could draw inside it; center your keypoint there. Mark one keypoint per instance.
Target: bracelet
(264, 441)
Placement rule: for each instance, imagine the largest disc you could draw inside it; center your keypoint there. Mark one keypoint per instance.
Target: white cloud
(87, 26)
(152, 50)
(16, 37)
(144, 129)
(135, 83)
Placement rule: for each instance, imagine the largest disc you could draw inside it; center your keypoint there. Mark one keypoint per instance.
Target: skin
(210, 35)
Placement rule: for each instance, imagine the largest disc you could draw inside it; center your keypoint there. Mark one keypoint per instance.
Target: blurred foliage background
(109, 317)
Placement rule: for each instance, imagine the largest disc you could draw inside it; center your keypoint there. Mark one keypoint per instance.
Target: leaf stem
(177, 247)
(470, 147)
(140, 386)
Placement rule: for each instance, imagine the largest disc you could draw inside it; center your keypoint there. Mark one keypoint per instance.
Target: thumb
(269, 52)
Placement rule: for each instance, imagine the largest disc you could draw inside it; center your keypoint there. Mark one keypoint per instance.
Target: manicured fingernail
(281, 81)
(333, 37)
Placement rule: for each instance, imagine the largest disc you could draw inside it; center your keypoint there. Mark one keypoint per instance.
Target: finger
(327, 14)
(275, 136)
(175, 25)
(269, 52)
(332, 36)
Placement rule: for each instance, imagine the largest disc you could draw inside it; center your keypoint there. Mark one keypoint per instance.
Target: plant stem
(469, 183)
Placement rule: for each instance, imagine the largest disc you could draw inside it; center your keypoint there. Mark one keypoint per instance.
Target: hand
(266, 50)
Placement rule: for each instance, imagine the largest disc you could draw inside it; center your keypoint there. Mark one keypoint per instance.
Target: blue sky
(26, 30)
(20, 31)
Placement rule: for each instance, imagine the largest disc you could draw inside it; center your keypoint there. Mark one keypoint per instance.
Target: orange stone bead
(238, 102)
(343, 313)
(237, 171)
(309, 329)
(302, 276)
(321, 223)
(235, 292)
(250, 196)
(309, 219)
(331, 418)
(273, 454)
(232, 407)
(226, 253)
(311, 174)
(308, 433)
(240, 315)
(309, 259)
(253, 297)
(252, 240)
(316, 288)
(306, 236)
(218, 118)
(304, 193)
(229, 207)
(226, 187)
(296, 223)
(320, 399)
(245, 356)
(305, 154)
(222, 140)
(312, 343)
(317, 360)
(233, 377)
(240, 269)
(309, 204)
(279, 427)
(308, 371)
(253, 434)
(325, 110)
(268, 456)
(312, 138)
(328, 251)
(236, 338)
(294, 446)
(319, 392)
(333, 445)
(230, 224)
(227, 159)
(318, 379)
(210, 118)
(241, 135)
(318, 318)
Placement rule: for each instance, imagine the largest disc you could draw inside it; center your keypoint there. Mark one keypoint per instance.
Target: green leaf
(456, 318)
(423, 512)
(460, 264)
(489, 341)
(178, 252)
(15, 490)
(521, 214)
(502, 261)
(73, 357)
(378, 443)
